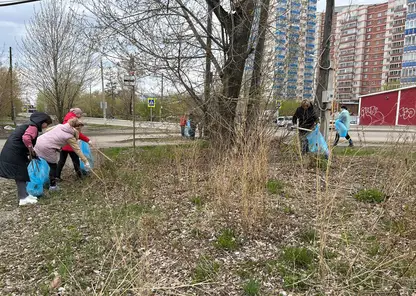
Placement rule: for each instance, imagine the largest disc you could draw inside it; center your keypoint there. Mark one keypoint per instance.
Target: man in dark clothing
(307, 118)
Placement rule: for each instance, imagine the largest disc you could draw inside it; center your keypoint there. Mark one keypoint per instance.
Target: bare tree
(57, 56)
(171, 36)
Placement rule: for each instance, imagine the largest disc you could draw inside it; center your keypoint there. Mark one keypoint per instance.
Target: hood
(38, 118)
(68, 129)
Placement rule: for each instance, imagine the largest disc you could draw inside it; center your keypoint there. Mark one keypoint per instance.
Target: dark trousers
(183, 131)
(304, 144)
(21, 189)
(52, 173)
(75, 160)
(337, 138)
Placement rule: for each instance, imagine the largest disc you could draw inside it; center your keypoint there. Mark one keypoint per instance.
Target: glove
(87, 166)
(90, 143)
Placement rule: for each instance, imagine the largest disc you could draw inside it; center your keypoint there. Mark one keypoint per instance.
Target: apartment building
(295, 49)
(367, 49)
(408, 76)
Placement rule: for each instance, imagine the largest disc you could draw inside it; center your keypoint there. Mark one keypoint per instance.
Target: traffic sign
(129, 80)
(151, 102)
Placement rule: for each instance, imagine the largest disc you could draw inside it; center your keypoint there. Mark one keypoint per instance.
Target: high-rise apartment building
(408, 76)
(295, 49)
(366, 52)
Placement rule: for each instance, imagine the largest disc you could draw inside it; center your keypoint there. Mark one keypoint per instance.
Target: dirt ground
(171, 221)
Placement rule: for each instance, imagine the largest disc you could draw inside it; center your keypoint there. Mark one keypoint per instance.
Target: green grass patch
(274, 186)
(227, 240)
(370, 196)
(299, 257)
(197, 201)
(205, 270)
(308, 235)
(252, 287)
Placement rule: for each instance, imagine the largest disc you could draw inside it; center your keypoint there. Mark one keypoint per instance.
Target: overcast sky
(13, 19)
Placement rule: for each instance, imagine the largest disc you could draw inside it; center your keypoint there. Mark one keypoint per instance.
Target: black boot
(351, 143)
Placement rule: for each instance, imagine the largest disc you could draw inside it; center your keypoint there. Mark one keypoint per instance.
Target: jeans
(183, 131)
(62, 160)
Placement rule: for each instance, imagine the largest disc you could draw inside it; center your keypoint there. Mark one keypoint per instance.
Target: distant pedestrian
(51, 142)
(192, 126)
(67, 150)
(182, 123)
(19, 150)
(345, 119)
(307, 118)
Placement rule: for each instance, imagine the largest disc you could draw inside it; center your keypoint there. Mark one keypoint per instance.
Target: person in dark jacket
(18, 151)
(306, 116)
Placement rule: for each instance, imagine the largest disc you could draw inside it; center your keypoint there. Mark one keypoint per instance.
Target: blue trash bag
(38, 170)
(186, 132)
(86, 150)
(317, 142)
(341, 128)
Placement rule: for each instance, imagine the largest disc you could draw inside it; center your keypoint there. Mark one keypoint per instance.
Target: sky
(14, 18)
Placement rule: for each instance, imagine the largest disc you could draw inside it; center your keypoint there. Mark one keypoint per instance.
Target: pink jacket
(50, 143)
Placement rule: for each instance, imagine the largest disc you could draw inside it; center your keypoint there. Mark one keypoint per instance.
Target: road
(151, 133)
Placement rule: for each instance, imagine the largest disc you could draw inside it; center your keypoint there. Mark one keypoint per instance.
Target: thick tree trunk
(232, 76)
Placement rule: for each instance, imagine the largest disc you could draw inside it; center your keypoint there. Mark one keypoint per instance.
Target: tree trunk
(242, 20)
(255, 92)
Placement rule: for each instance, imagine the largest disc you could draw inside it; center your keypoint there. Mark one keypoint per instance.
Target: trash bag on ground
(317, 142)
(341, 128)
(86, 150)
(186, 132)
(38, 170)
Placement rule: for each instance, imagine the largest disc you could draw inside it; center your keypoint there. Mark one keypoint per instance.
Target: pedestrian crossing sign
(151, 102)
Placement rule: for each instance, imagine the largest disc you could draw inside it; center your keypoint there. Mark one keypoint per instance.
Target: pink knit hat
(76, 111)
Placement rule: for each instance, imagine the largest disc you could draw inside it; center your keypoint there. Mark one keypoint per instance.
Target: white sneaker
(28, 200)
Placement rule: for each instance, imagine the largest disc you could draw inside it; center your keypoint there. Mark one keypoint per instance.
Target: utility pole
(324, 64)
(104, 104)
(13, 111)
(208, 75)
(133, 99)
(161, 99)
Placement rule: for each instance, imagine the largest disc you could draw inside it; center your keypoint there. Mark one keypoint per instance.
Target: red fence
(396, 107)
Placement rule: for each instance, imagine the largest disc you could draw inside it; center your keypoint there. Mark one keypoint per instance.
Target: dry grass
(187, 220)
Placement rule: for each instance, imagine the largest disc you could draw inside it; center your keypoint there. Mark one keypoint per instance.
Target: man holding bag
(342, 125)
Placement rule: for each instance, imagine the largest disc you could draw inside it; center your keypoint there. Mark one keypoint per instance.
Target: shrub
(274, 186)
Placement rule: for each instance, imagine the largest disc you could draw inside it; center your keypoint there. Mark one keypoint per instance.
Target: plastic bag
(341, 128)
(186, 132)
(38, 170)
(86, 150)
(317, 142)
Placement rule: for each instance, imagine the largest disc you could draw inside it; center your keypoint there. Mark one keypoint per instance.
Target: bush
(370, 195)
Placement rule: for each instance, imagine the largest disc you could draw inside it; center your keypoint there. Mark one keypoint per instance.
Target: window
(369, 30)
(375, 63)
(366, 64)
(375, 69)
(368, 43)
(365, 76)
(379, 14)
(368, 36)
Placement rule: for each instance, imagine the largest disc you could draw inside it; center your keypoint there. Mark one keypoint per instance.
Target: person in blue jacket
(344, 117)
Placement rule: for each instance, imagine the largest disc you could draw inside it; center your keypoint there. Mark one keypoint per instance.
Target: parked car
(289, 123)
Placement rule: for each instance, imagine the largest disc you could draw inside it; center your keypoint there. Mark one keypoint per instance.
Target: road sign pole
(151, 114)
